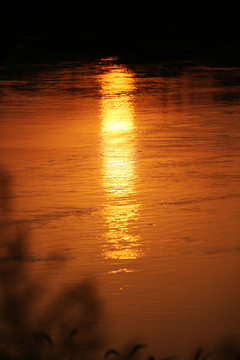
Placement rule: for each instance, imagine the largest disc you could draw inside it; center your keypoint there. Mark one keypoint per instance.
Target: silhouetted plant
(130, 352)
(225, 350)
(66, 328)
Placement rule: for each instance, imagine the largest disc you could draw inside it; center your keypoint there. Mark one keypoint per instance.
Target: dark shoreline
(26, 56)
(135, 33)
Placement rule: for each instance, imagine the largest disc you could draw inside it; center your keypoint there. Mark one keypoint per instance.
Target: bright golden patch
(119, 163)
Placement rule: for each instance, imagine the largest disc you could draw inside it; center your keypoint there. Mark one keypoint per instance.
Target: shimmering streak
(119, 175)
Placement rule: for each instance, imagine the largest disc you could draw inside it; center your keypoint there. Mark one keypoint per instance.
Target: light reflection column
(121, 209)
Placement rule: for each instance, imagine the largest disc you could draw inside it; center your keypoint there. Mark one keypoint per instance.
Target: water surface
(131, 173)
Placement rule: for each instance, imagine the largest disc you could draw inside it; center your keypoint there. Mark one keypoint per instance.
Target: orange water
(131, 174)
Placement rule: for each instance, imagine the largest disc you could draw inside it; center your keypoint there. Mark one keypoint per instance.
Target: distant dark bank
(151, 30)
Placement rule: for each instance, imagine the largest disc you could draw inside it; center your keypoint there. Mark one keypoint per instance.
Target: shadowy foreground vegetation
(35, 326)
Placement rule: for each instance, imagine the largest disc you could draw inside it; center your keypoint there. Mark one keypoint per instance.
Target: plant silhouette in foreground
(34, 325)
(226, 349)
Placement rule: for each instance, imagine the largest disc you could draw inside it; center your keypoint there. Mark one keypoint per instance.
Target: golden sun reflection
(121, 209)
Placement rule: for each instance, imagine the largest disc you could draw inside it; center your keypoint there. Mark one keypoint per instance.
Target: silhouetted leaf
(73, 332)
(135, 349)
(151, 357)
(111, 352)
(47, 338)
(198, 353)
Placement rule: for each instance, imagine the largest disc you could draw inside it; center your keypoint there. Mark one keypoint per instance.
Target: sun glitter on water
(119, 175)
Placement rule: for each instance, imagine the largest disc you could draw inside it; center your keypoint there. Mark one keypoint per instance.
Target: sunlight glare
(120, 209)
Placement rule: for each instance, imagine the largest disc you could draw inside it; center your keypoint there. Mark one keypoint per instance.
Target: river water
(130, 174)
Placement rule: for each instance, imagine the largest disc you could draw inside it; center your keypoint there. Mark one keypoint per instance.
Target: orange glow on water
(119, 164)
(137, 184)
